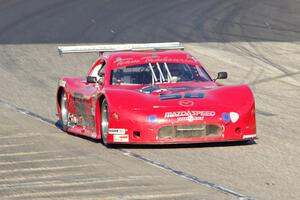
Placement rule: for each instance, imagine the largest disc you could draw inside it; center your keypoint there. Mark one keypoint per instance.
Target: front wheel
(104, 121)
(64, 112)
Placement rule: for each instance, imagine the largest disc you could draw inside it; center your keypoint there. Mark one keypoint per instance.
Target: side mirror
(221, 75)
(91, 79)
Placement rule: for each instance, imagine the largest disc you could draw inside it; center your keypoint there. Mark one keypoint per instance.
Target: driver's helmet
(176, 70)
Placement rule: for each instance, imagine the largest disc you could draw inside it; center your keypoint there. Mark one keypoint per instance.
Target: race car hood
(169, 97)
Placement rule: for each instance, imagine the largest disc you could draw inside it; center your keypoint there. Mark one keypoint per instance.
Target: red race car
(153, 93)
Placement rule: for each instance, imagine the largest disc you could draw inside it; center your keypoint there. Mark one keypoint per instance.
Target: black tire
(104, 121)
(64, 112)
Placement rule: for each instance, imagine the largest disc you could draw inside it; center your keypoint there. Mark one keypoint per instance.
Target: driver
(176, 73)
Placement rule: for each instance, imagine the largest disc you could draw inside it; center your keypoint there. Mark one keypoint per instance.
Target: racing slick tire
(104, 122)
(64, 112)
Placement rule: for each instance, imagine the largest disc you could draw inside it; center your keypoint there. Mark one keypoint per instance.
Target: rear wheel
(64, 112)
(104, 122)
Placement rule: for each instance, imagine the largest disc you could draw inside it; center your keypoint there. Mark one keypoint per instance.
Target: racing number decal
(193, 95)
(189, 95)
(169, 96)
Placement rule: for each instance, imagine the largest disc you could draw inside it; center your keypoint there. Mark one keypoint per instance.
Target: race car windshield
(152, 73)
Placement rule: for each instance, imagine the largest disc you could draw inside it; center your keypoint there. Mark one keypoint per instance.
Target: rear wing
(120, 47)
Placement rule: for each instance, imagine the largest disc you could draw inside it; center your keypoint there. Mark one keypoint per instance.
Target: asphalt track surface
(256, 41)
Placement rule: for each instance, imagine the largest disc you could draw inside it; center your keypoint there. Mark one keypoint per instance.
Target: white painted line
(26, 153)
(28, 113)
(16, 145)
(59, 183)
(20, 135)
(186, 175)
(30, 178)
(42, 160)
(70, 192)
(47, 168)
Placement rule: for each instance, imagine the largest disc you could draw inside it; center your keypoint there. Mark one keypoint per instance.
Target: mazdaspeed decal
(190, 116)
(190, 113)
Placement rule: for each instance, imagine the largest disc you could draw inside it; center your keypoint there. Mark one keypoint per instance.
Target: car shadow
(59, 126)
(187, 145)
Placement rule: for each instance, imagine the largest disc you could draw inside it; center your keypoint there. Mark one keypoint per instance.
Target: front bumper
(197, 127)
(151, 135)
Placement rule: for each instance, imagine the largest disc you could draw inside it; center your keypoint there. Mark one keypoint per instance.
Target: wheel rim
(64, 110)
(104, 121)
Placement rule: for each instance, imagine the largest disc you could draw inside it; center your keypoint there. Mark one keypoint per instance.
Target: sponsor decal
(249, 136)
(190, 118)
(152, 119)
(234, 116)
(94, 135)
(126, 61)
(121, 138)
(226, 118)
(230, 117)
(117, 131)
(116, 116)
(188, 115)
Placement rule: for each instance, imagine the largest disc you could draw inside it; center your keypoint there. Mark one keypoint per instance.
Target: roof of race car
(126, 58)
